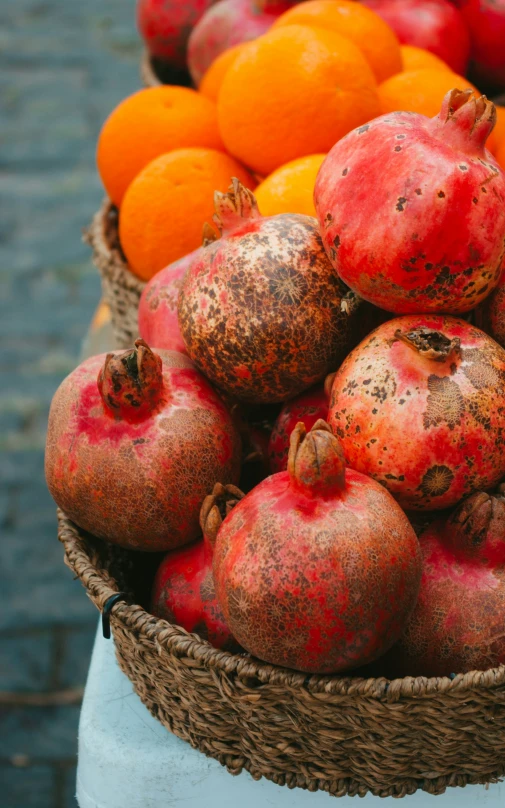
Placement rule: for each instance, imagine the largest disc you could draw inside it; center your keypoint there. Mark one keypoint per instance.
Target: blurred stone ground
(63, 66)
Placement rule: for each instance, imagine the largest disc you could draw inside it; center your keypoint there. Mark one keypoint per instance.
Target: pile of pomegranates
(318, 364)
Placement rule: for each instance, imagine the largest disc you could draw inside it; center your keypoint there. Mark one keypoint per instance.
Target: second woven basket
(121, 288)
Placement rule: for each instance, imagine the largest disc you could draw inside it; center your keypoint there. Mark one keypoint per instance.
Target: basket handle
(107, 608)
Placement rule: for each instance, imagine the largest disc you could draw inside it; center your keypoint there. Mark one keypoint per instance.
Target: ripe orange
(418, 58)
(498, 133)
(147, 124)
(422, 91)
(292, 92)
(364, 27)
(290, 189)
(500, 154)
(419, 91)
(213, 78)
(167, 204)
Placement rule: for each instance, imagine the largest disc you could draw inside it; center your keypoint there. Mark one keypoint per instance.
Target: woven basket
(121, 288)
(337, 734)
(147, 73)
(154, 72)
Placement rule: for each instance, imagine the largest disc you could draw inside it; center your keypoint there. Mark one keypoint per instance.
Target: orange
(420, 91)
(364, 27)
(292, 92)
(498, 134)
(147, 124)
(500, 154)
(290, 189)
(418, 58)
(167, 204)
(213, 78)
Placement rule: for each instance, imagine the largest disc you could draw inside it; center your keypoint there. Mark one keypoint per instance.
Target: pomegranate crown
(235, 207)
(316, 460)
(476, 529)
(430, 344)
(216, 507)
(465, 119)
(209, 235)
(130, 383)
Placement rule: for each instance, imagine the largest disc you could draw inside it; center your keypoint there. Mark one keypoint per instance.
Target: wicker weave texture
(121, 288)
(338, 734)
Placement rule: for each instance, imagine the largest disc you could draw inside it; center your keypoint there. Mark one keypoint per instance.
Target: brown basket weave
(147, 73)
(337, 734)
(121, 288)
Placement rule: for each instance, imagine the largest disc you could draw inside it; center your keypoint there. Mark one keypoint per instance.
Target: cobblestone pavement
(63, 66)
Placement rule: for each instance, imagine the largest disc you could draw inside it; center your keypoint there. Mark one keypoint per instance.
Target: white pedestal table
(127, 759)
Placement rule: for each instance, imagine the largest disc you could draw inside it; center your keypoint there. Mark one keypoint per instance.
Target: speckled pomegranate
(157, 315)
(262, 312)
(229, 23)
(420, 406)
(306, 408)
(317, 568)
(165, 26)
(430, 236)
(434, 25)
(183, 591)
(458, 623)
(131, 457)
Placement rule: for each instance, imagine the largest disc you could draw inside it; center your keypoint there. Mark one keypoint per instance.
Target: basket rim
(172, 639)
(106, 256)
(147, 72)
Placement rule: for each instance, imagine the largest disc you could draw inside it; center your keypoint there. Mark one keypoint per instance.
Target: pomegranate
(438, 209)
(486, 22)
(420, 406)
(183, 591)
(306, 408)
(262, 311)
(457, 625)
(226, 24)
(157, 315)
(165, 26)
(131, 457)
(317, 568)
(490, 315)
(434, 25)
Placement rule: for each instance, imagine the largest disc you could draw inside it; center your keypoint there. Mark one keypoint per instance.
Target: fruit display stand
(127, 759)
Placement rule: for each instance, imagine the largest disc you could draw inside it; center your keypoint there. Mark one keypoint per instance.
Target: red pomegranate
(262, 312)
(420, 406)
(306, 408)
(490, 315)
(431, 236)
(457, 625)
(434, 25)
(165, 26)
(183, 591)
(157, 316)
(229, 23)
(131, 457)
(486, 23)
(317, 568)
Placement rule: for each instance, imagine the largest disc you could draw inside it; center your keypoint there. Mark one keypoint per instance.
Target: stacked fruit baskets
(285, 489)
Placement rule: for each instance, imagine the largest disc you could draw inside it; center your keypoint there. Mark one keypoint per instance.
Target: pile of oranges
(266, 112)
